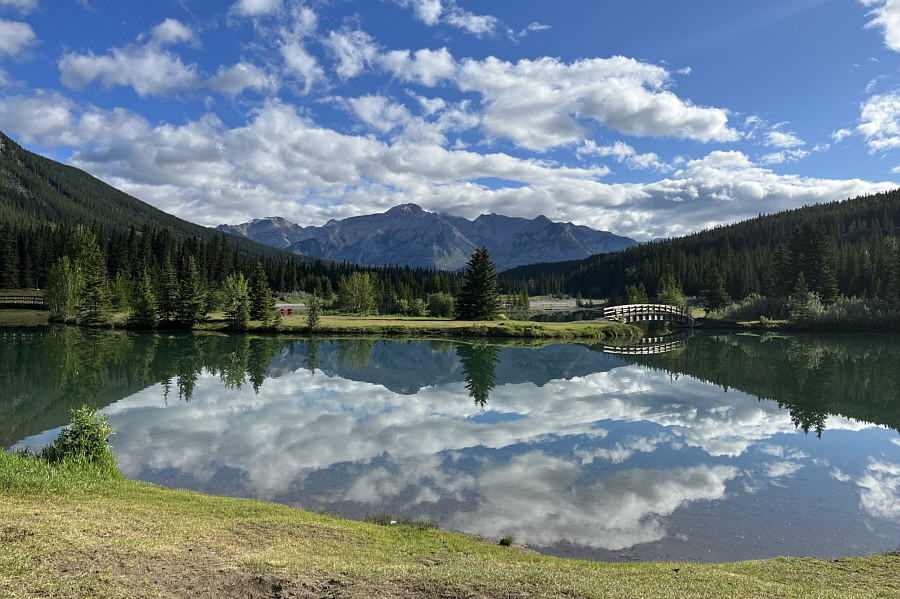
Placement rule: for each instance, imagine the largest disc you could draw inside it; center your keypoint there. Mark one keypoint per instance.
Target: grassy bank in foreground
(67, 533)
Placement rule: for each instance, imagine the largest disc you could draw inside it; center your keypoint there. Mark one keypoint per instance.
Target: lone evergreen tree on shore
(478, 299)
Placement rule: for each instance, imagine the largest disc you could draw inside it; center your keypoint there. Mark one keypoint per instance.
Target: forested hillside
(49, 211)
(849, 247)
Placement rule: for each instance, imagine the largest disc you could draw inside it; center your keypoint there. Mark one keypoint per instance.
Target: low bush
(84, 442)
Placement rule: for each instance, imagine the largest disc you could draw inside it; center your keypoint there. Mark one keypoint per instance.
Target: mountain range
(409, 235)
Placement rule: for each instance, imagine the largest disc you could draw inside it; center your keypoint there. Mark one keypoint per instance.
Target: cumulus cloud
(171, 31)
(15, 37)
(544, 103)
(152, 70)
(880, 121)
(427, 67)
(886, 17)
(783, 139)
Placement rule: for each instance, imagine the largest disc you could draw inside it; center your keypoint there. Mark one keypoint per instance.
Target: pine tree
(191, 296)
(143, 309)
(262, 302)
(670, 292)
(95, 293)
(313, 307)
(167, 293)
(715, 296)
(237, 301)
(478, 299)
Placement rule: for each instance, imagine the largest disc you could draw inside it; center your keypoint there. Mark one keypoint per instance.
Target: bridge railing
(644, 310)
(21, 299)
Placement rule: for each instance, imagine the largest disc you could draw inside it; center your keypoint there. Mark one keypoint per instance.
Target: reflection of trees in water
(355, 352)
(311, 361)
(811, 376)
(479, 362)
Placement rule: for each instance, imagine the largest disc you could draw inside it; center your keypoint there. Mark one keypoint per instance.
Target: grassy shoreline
(68, 533)
(393, 326)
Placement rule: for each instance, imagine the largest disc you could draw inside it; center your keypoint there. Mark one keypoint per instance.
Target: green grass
(439, 327)
(67, 533)
(20, 318)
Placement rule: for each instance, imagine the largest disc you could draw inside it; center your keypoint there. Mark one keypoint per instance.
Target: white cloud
(432, 12)
(532, 27)
(784, 156)
(783, 139)
(278, 155)
(23, 6)
(15, 37)
(885, 16)
(235, 79)
(255, 8)
(541, 104)
(840, 134)
(623, 153)
(171, 31)
(427, 67)
(153, 71)
(472, 23)
(354, 50)
(427, 11)
(149, 70)
(297, 59)
(880, 121)
(880, 494)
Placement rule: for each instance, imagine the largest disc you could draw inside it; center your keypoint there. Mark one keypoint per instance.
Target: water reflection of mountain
(55, 369)
(811, 375)
(407, 367)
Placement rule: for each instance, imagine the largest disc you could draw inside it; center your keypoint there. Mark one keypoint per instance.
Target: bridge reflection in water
(652, 345)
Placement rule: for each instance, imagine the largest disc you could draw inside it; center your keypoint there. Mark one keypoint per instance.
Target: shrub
(506, 541)
(84, 441)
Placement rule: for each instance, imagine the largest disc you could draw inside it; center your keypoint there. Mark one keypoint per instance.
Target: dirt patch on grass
(193, 573)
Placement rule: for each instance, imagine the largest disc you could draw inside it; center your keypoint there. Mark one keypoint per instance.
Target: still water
(725, 447)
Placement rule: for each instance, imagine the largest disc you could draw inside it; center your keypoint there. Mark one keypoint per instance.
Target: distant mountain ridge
(409, 235)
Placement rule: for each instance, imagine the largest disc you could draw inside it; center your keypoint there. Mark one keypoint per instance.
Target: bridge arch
(644, 312)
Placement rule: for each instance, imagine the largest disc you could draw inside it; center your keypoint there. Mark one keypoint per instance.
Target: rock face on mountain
(408, 235)
(274, 230)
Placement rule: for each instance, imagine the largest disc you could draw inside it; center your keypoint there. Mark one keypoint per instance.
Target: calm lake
(726, 447)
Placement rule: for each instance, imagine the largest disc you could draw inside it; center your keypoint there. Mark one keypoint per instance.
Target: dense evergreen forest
(847, 248)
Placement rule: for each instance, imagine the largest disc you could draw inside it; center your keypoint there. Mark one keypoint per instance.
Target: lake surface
(726, 447)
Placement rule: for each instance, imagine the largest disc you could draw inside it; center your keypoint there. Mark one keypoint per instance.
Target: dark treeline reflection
(47, 372)
(812, 376)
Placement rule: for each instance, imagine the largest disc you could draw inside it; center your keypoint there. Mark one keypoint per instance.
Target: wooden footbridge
(22, 300)
(645, 312)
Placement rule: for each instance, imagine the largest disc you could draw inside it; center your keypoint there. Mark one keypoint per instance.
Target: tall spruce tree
(478, 298)
(262, 302)
(191, 295)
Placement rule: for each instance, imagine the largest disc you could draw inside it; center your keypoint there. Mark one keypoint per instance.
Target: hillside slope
(36, 190)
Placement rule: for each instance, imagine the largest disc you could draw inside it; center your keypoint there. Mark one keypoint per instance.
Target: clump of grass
(506, 541)
(385, 518)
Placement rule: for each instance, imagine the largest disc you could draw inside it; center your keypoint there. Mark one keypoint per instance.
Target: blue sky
(648, 118)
